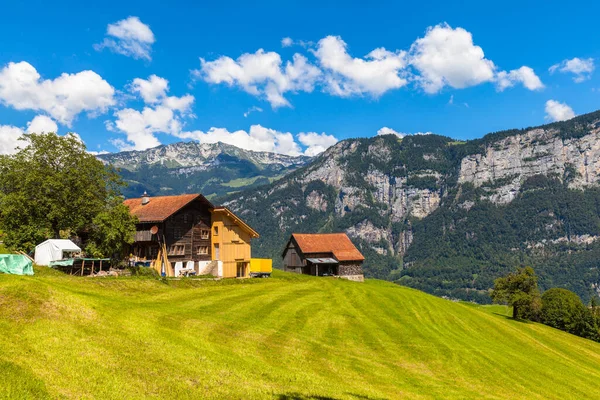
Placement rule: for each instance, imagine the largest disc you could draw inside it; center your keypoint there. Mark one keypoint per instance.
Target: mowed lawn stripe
(295, 336)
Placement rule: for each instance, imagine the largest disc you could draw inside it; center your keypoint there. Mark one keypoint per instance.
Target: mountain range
(214, 169)
(427, 211)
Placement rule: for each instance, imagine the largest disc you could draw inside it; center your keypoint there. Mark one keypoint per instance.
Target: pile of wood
(162, 264)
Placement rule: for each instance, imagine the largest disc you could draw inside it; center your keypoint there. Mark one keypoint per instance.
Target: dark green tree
(519, 290)
(52, 187)
(112, 229)
(563, 309)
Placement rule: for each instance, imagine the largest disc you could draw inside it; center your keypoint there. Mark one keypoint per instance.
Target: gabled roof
(238, 220)
(61, 244)
(339, 244)
(162, 207)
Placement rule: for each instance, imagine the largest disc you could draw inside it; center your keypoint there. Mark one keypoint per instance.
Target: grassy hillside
(289, 337)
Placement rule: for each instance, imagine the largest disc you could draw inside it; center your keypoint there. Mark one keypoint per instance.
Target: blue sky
(456, 70)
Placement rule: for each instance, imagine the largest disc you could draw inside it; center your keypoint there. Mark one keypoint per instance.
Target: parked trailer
(261, 267)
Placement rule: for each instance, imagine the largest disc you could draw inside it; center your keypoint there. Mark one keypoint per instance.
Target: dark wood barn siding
(183, 228)
(292, 257)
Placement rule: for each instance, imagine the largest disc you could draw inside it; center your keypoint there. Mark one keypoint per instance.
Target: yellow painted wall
(233, 242)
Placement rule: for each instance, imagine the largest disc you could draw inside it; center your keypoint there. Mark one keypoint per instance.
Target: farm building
(196, 233)
(329, 254)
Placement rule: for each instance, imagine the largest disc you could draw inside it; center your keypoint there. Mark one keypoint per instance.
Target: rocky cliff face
(399, 197)
(356, 186)
(506, 164)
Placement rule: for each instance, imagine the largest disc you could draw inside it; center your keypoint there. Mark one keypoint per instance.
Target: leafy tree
(111, 230)
(562, 309)
(519, 290)
(51, 187)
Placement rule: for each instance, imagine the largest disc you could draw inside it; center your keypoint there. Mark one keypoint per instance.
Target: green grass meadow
(288, 337)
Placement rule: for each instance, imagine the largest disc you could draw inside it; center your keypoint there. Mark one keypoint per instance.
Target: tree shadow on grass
(523, 321)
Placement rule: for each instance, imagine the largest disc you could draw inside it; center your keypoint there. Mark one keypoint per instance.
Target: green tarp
(15, 264)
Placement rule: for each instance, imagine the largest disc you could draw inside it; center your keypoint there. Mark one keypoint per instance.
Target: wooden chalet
(329, 254)
(194, 231)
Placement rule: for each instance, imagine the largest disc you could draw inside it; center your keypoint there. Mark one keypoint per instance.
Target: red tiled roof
(161, 207)
(337, 243)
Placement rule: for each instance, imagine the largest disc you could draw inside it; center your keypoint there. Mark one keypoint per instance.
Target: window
(216, 230)
(204, 234)
(177, 233)
(202, 250)
(217, 252)
(186, 218)
(177, 250)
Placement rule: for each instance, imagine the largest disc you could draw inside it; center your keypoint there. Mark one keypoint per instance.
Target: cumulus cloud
(63, 98)
(258, 138)
(152, 89)
(42, 124)
(374, 75)
(524, 75)
(162, 114)
(316, 143)
(556, 111)
(9, 135)
(129, 37)
(582, 68)
(261, 74)
(444, 56)
(447, 56)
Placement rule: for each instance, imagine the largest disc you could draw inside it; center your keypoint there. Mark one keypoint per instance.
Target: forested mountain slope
(210, 168)
(449, 217)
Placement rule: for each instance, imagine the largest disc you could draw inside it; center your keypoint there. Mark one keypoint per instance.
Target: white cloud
(444, 56)
(374, 75)
(582, 68)
(316, 143)
(42, 124)
(251, 110)
(524, 75)
(129, 37)
(162, 114)
(258, 138)
(261, 74)
(63, 98)
(447, 56)
(556, 111)
(152, 89)
(9, 136)
(389, 131)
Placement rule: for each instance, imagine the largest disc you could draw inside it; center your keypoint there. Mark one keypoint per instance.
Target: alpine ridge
(446, 216)
(211, 168)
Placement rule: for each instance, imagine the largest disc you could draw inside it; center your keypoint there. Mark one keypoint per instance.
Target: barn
(323, 254)
(196, 233)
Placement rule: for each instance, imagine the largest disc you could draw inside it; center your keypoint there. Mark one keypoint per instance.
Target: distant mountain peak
(213, 169)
